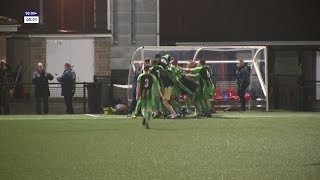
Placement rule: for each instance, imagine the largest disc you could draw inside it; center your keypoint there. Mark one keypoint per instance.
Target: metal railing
(309, 95)
(87, 98)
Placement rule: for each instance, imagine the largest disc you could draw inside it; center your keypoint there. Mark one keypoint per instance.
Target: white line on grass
(255, 116)
(92, 115)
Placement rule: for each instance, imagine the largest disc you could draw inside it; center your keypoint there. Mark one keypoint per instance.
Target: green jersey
(205, 72)
(147, 83)
(204, 75)
(196, 70)
(176, 71)
(164, 61)
(159, 73)
(167, 57)
(172, 74)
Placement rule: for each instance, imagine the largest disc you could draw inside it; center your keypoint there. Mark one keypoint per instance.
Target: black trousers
(241, 94)
(133, 102)
(4, 101)
(45, 105)
(68, 103)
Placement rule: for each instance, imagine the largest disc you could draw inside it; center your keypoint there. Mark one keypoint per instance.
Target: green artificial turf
(233, 145)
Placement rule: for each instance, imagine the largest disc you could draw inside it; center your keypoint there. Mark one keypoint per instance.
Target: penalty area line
(92, 115)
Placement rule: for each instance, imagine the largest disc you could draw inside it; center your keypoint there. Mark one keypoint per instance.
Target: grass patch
(234, 145)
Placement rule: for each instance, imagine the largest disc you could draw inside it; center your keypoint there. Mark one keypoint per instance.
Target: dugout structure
(222, 60)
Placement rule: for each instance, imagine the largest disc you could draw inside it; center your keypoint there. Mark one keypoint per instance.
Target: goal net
(222, 60)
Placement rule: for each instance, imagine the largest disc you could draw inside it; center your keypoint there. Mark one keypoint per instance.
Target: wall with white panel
(78, 52)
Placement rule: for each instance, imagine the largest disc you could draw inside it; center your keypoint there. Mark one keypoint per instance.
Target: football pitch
(231, 145)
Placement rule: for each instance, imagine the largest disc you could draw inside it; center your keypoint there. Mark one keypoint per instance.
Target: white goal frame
(140, 54)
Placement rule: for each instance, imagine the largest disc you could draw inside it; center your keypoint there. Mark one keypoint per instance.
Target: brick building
(7, 25)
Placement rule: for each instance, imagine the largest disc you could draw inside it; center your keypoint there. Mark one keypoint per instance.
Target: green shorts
(147, 103)
(155, 91)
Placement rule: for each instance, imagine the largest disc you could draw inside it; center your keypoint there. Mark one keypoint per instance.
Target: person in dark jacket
(243, 81)
(5, 86)
(133, 104)
(40, 79)
(68, 83)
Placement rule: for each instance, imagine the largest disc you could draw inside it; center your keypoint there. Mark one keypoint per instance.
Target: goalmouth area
(231, 145)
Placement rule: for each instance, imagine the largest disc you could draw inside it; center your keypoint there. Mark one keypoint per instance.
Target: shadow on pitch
(223, 117)
(313, 164)
(172, 130)
(87, 130)
(160, 129)
(214, 117)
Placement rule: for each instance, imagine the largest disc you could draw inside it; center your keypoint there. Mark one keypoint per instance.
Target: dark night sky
(52, 15)
(210, 20)
(240, 20)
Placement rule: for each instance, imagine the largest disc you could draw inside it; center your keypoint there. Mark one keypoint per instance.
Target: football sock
(138, 107)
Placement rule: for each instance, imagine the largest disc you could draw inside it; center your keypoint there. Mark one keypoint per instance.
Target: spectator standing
(5, 70)
(40, 78)
(135, 76)
(243, 81)
(68, 80)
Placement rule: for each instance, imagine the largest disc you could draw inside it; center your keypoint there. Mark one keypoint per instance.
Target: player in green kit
(175, 75)
(158, 72)
(193, 85)
(146, 62)
(206, 84)
(167, 86)
(204, 75)
(145, 93)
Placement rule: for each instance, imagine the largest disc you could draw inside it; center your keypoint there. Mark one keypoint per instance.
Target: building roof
(251, 43)
(8, 24)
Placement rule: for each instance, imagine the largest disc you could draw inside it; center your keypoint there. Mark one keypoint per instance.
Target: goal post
(222, 60)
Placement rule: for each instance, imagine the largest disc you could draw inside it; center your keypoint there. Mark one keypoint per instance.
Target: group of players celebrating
(163, 82)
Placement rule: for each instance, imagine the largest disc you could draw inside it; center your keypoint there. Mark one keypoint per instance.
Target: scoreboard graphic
(31, 17)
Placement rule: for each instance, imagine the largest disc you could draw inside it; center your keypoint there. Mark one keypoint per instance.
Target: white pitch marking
(92, 115)
(248, 116)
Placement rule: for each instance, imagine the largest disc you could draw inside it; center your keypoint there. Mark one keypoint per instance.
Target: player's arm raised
(184, 69)
(190, 75)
